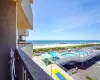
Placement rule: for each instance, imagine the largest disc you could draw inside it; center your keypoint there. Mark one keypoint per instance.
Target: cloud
(58, 30)
(77, 20)
(60, 18)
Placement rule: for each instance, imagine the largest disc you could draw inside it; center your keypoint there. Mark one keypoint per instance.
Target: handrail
(34, 71)
(23, 43)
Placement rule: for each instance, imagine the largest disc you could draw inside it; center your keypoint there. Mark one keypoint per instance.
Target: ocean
(63, 41)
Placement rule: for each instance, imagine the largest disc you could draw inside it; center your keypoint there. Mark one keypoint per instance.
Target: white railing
(28, 50)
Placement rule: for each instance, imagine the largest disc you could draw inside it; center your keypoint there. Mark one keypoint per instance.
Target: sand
(56, 45)
(53, 45)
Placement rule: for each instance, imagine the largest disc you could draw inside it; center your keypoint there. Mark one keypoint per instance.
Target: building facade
(16, 19)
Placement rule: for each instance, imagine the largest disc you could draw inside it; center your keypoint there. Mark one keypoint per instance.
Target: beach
(55, 45)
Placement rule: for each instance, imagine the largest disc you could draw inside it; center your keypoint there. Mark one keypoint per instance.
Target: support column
(7, 35)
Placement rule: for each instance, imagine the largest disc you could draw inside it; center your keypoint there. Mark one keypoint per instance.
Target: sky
(65, 20)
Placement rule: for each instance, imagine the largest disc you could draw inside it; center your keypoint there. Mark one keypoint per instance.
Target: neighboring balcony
(23, 32)
(24, 14)
(23, 43)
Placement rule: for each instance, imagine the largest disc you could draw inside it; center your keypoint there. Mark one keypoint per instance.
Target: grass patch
(36, 54)
(89, 78)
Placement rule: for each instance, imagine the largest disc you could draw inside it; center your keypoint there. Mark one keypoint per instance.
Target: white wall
(26, 5)
(28, 50)
(23, 32)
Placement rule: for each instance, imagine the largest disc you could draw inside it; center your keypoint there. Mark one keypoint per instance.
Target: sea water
(42, 42)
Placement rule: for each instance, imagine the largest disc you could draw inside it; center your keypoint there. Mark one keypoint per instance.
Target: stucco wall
(7, 35)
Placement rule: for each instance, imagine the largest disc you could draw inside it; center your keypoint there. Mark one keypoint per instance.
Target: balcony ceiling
(24, 14)
(31, 1)
(22, 21)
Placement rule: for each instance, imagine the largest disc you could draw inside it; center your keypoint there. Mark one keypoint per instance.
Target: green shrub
(89, 78)
(47, 61)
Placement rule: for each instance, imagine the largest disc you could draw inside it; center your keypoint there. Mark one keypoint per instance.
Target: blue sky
(65, 20)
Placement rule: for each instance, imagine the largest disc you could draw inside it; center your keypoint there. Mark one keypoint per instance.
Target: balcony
(23, 32)
(23, 44)
(24, 14)
(26, 68)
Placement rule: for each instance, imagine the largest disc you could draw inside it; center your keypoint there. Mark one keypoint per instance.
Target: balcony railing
(28, 50)
(27, 69)
(23, 43)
